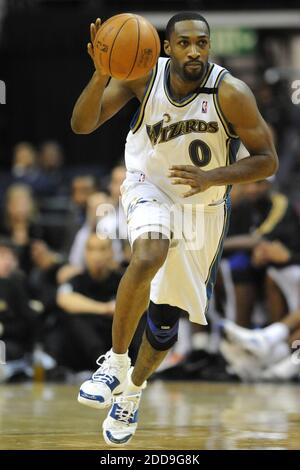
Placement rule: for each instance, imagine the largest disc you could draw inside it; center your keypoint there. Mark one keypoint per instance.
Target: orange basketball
(126, 46)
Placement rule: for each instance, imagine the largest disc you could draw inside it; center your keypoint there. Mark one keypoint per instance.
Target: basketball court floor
(178, 415)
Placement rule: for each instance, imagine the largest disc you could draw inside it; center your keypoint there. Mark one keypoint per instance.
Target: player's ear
(167, 47)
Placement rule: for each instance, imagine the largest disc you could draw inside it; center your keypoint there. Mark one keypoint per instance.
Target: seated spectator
(51, 157)
(41, 171)
(81, 189)
(17, 319)
(50, 161)
(268, 349)
(114, 223)
(88, 301)
(77, 252)
(20, 222)
(110, 221)
(43, 283)
(24, 166)
(262, 250)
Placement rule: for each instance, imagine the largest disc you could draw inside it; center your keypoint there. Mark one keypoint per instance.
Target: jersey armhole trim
(139, 116)
(223, 119)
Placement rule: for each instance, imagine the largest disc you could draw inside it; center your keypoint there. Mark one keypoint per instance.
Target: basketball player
(180, 151)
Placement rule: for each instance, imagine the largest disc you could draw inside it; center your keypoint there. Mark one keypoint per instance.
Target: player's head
(188, 43)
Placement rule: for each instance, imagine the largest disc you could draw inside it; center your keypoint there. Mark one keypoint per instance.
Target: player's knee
(149, 255)
(162, 326)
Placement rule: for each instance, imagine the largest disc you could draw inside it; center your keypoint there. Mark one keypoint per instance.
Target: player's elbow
(273, 164)
(79, 128)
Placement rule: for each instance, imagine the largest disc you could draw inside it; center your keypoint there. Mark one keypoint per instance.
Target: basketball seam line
(129, 19)
(137, 49)
(106, 23)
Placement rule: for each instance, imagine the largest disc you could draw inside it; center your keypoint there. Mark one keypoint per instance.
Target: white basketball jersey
(192, 131)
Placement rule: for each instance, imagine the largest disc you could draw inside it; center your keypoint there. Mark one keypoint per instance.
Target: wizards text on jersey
(159, 134)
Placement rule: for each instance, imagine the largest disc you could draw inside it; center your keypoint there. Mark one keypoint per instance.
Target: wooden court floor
(178, 415)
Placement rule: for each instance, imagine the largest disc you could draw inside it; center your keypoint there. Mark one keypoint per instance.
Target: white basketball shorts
(196, 235)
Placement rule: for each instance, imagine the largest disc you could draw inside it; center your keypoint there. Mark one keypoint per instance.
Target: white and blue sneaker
(110, 379)
(121, 423)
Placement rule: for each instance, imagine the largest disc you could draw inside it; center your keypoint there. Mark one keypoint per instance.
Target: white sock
(121, 358)
(277, 332)
(131, 388)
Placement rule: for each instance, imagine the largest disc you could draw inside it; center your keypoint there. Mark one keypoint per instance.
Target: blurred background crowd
(63, 251)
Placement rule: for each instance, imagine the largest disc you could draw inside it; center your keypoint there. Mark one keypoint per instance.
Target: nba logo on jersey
(204, 106)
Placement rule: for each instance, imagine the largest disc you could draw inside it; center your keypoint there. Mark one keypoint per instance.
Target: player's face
(189, 49)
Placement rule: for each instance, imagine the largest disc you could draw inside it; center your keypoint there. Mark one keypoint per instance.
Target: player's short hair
(184, 15)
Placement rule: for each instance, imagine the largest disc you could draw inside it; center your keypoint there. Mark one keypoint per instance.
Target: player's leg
(134, 290)
(132, 300)
(181, 280)
(160, 335)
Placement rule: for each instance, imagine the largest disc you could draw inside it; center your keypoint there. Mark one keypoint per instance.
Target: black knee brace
(162, 325)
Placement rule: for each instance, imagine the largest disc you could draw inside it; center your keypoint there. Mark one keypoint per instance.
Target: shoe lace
(105, 373)
(126, 408)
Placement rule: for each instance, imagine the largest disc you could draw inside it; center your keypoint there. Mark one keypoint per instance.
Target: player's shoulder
(236, 100)
(233, 89)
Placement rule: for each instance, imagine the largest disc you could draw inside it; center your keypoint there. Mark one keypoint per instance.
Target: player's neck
(179, 87)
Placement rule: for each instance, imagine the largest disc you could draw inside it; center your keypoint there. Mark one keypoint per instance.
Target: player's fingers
(179, 174)
(97, 24)
(186, 177)
(188, 168)
(192, 192)
(178, 167)
(186, 181)
(92, 31)
(90, 50)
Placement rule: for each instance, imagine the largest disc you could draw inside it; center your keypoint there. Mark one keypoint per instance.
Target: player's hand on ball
(192, 176)
(94, 28)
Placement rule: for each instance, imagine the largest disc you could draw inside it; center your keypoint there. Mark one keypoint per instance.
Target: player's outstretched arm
(97, 104)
